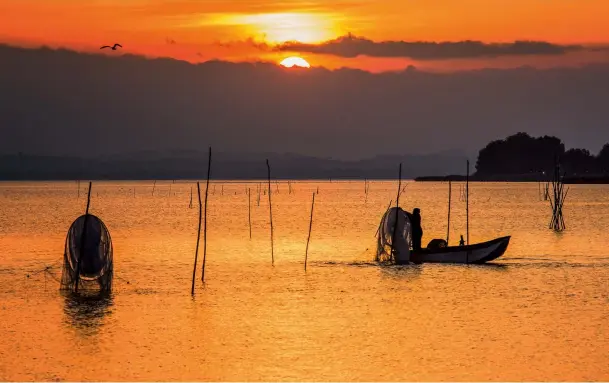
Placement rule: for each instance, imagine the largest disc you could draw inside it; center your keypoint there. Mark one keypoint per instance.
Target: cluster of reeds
(557, 200)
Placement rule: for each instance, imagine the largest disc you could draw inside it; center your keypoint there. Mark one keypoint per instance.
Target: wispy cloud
(351, 46)
(177, 8)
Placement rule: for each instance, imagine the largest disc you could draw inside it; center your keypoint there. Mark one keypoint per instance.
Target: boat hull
(471, 254)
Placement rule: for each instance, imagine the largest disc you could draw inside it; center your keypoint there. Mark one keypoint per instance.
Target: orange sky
(151, 27)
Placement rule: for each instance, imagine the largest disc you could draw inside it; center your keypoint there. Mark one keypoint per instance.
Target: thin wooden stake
(268, 167)
(450, 188)
(205, 216)
(153, 187)
(83, 238)
(190, 203)
(259, 191)
(309, 237)
(249, 211)
(194, 270)
(467, 202)
(397, 205)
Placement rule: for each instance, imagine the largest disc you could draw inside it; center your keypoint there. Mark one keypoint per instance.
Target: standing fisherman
(417, 230)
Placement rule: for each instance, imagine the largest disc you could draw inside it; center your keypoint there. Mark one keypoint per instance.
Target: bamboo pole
(467, 202)
(555, 191)
(249, 211)
(83, 239)
(268, 167)
(309, 237)
(403, 189)
(153, 187)
(562, 218)
(194, 270)
(397, 205)
(450, 188)
(190, 203)
(205, 217)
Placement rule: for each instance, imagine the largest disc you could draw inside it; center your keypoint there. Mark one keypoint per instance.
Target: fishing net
(87, 260)
(403, 236)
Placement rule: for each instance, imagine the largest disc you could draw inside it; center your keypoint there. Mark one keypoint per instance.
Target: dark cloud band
(351, 46)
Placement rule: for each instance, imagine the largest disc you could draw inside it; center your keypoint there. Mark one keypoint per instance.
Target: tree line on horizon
(521, 154)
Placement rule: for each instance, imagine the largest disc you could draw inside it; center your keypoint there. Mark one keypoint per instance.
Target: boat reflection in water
(402, 273)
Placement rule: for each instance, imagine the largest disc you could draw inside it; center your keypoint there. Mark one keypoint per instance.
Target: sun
(295, 61)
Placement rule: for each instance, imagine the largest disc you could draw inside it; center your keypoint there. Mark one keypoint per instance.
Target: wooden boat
(471, 254)
(401, 253)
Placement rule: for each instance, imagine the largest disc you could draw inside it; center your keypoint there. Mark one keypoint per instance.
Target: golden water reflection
(540, 313)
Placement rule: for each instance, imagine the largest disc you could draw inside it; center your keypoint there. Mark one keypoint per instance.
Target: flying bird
(111, 47)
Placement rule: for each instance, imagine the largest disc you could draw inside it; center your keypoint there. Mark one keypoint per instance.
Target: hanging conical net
(87, 260)
(403, 236)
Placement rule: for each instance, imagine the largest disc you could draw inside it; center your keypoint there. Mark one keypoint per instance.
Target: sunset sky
(245, 30)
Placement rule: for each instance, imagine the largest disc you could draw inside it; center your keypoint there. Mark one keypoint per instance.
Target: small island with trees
(522, 158)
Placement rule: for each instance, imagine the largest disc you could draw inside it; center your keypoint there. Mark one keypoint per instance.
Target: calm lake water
(541, 312)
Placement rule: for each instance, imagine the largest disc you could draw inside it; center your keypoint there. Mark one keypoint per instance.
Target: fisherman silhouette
(417, 230)
(462, 241)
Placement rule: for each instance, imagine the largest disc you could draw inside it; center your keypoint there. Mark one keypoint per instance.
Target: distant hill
(56, 102)
(193, 165)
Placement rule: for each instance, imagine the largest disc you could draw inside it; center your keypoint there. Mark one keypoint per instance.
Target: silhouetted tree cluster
(523, 154)
(603, 159)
